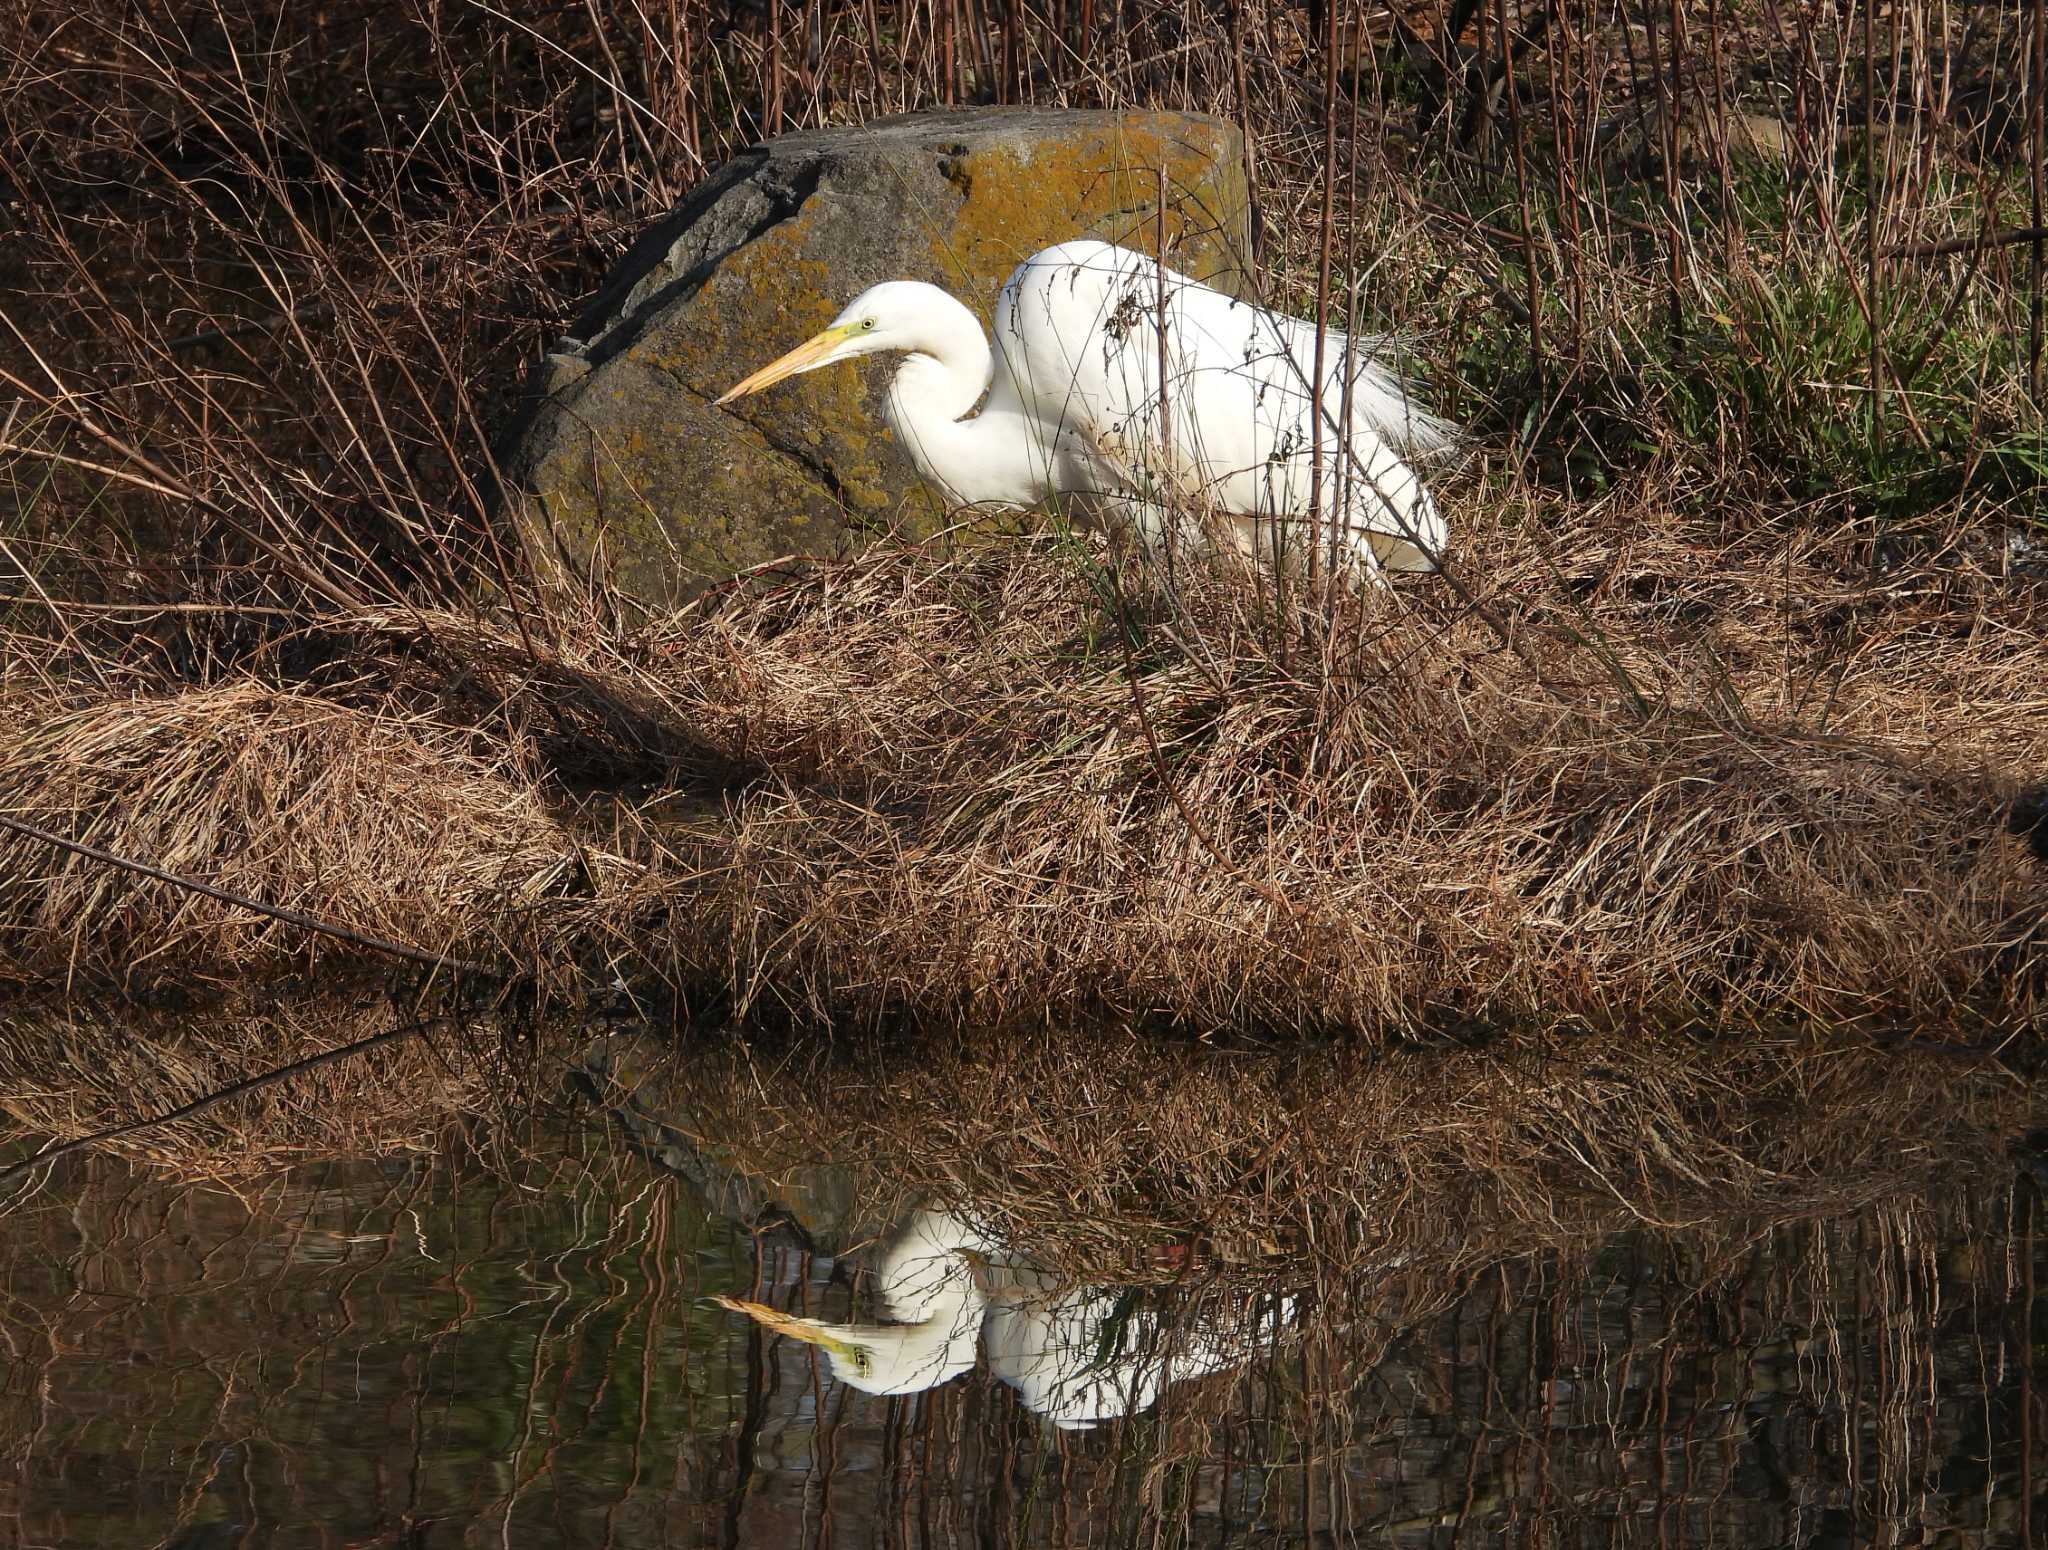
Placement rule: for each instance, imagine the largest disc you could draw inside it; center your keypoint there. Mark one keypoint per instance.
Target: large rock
(621, 464)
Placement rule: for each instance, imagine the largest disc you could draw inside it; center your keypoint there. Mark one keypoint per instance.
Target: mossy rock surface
(623, 467)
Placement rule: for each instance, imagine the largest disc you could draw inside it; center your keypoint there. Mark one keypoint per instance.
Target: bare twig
(274, 911)
(1976, 244)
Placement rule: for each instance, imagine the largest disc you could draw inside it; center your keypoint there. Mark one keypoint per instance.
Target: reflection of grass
(529, 1338)
(515, 1346)
(1232, 1166)
(443, 1337)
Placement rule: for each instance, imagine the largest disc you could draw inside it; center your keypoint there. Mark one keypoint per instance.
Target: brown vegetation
(1113, 1156)
(1010, 783)
(978, 811)
(383, 826)
(1714, 728)
(80, 1067)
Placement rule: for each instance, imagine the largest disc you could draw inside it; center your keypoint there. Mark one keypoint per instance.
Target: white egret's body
(1074, 408)
(1089, 1355)
(1077, 1356)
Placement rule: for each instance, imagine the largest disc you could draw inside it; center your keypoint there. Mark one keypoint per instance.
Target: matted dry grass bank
(386, 824)
(1656, 801)
(1673, 785)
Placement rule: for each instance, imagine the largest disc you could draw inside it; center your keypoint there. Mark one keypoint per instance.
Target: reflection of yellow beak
(812, 352)
(809, 1331)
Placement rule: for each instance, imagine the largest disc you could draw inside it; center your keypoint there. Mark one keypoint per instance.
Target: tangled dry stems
(966, 819)
(942, 809)
(384, 825)
(1017, 782)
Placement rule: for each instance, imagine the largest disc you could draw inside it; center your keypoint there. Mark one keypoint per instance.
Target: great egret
(1074, 408)
(1077, 1356)
(930, 1280)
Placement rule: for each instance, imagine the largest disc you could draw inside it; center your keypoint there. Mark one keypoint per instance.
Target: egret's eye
(867, 322)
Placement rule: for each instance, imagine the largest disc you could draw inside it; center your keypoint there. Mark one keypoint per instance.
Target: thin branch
(219, 1096)
(290, 917)
(68, 605)
(1969, 244)
(125, 475)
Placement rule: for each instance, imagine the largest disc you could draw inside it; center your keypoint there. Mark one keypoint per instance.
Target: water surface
(512, 1343)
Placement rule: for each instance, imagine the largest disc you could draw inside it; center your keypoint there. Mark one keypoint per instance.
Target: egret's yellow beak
(811, 353)
(809, 1331)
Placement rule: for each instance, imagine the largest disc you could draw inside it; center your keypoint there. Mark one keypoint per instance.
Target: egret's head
(883, 317)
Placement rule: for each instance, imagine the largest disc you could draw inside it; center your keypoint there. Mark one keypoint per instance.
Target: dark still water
(517, 1344)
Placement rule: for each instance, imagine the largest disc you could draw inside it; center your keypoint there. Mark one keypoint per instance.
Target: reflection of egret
(1075, 406)
(1077, 1357)
(1090, 1355)
(931, 1282)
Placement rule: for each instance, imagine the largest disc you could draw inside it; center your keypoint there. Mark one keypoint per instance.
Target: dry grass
(1019, 784)
(389, 827)
(964, 816)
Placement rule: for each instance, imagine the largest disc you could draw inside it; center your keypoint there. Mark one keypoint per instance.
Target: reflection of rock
(623, 457)
(633, 1077)
(1076, 1355)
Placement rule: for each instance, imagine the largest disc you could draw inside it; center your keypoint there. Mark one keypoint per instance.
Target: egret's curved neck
(948, 368)
(930, 1271)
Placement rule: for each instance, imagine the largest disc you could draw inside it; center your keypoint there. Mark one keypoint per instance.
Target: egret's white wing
(1086, 1356)
(1077, 336)
(1051, 1350)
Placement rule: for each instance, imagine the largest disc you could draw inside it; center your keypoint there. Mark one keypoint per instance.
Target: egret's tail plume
(1387, 402)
